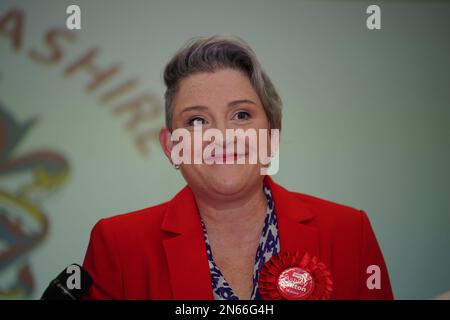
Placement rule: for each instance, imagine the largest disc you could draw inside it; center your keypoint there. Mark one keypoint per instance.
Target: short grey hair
(209, 54)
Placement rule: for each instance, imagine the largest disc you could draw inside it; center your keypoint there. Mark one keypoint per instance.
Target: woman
(232, 233)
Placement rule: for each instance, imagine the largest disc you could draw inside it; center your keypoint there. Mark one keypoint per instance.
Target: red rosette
(295, 276)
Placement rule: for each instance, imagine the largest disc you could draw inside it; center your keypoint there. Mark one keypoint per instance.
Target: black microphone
(72, 283)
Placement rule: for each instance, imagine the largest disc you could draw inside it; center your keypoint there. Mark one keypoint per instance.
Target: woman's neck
(241, 217)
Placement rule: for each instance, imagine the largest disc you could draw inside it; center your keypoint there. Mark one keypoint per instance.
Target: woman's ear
(166, 142)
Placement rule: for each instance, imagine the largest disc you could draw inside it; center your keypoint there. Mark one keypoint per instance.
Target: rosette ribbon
(295, 276)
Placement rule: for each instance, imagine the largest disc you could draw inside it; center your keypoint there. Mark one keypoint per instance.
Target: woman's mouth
(226, 158)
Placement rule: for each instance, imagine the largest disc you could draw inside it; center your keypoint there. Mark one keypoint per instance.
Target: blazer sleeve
(375, 283)
(102, 264)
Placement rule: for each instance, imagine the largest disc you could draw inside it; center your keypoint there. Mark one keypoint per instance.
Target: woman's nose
(223, 126)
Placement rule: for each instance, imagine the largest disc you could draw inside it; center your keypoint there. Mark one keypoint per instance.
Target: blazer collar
(293, 217)
(184, 242)
(288, 203)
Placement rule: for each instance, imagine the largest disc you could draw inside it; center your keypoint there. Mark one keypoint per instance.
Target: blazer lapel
(292, 214)
(185, 249)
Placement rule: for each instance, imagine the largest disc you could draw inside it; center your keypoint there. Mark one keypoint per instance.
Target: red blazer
(159, 252)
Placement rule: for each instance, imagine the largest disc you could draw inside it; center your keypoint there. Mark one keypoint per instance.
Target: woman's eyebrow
(230, 104)
(193, 108)
(236, 102)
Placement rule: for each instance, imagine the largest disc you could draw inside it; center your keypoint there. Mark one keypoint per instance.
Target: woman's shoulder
(330, 212)
(345, 226)
(136, 221)
(315, 209)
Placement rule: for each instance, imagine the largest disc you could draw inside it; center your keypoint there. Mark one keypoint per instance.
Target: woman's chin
(230, 179)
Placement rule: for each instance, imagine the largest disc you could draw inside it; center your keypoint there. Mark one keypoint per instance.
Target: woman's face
(221, 100)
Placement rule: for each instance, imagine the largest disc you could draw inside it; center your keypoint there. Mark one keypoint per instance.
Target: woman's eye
(242, 115)
(196, 121)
